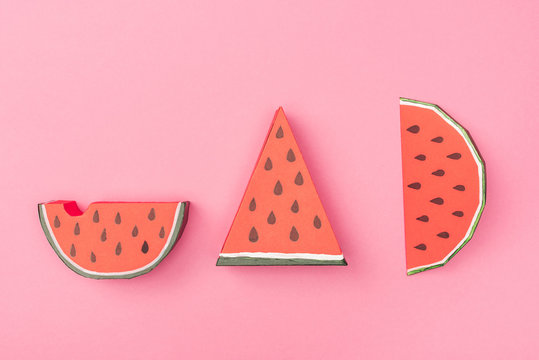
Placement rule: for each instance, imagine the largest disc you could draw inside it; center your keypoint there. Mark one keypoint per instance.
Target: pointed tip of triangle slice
(280, 112)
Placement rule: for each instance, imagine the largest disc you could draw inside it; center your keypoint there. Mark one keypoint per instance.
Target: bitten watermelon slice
(444, 185)
(281, 220)
(113, 240)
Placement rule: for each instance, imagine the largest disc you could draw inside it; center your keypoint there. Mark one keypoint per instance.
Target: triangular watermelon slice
(443, 182)
(281, 220)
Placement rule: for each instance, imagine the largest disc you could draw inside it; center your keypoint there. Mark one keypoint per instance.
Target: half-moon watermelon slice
(443, 185)
(281, 220)
(113, 240)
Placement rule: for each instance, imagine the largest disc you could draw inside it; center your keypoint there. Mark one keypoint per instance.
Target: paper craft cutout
(281, 220)
(443, 182)
(113, 240)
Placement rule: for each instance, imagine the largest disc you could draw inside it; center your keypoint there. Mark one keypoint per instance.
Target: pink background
(168, 100)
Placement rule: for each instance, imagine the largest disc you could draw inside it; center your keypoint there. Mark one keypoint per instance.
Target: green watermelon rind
(180, 222)
(481, 163)
(250, 261)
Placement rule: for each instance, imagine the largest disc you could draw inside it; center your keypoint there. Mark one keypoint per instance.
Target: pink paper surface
(169, 100)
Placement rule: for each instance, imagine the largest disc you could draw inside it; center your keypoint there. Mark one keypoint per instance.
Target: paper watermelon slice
(281, 220)
(443, 182)
(113, 240)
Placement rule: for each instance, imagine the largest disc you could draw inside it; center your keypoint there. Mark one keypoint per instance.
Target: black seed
(299, 179)
(421, 157)
(252, 205)
(459, 187)
(317, 223)
(437, 201)
(294, 235)
(119, 248)
(438, 173)
(253, 235)
(268, 165)
(423, 218)
(413, 129)
(438, 139)
(134, 233)
(415, 185)
(454, 156)
(278, 189)
(443, 235)
(77, 229)
(271, 218)
(145, 247)
(290, 156)
(118, 218)
(96, 217)
(104, 235)
(421, 247)
(162, 232)
(279, 133)
(458, 213)
(73, 252)
(56, 222)
(92, 257)
(151, 215)
(295, 207)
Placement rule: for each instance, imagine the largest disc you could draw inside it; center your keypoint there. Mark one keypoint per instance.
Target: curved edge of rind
(177, 232)
(473, 226)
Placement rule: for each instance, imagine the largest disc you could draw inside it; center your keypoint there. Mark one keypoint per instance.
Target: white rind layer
(273, 255)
